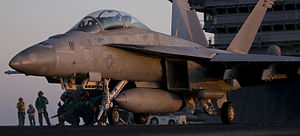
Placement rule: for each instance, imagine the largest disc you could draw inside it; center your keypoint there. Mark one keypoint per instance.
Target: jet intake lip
(35, 60)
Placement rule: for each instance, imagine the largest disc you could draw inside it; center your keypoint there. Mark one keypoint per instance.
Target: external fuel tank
(145, 100)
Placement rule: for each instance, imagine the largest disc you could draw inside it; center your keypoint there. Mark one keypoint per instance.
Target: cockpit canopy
(105, 20)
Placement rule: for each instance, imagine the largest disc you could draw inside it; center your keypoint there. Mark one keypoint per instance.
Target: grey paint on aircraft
(123, 49)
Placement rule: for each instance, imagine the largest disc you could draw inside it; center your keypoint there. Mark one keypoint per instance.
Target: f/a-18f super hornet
(146, 72)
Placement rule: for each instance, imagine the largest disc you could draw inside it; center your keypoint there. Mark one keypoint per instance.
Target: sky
(27, 22)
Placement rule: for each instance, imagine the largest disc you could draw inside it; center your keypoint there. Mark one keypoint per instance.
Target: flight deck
(189, 130)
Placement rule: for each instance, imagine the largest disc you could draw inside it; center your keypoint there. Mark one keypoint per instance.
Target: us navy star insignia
(109, 61)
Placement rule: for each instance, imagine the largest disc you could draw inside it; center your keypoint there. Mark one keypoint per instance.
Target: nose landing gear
(106, 109)
(113, 116)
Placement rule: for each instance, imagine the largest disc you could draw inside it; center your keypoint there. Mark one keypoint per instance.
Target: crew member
(86, 108)
(68, 111)
(31, 114)
(40, 105)
(21, 111)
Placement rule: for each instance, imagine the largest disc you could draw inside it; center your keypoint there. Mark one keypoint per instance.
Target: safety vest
(21, 106)
(31, 112)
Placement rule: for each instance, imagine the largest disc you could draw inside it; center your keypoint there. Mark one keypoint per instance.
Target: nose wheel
(227, 113)
(114, 116)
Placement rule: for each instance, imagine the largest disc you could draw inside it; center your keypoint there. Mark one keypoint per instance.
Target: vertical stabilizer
(185, 23)
(242, 42)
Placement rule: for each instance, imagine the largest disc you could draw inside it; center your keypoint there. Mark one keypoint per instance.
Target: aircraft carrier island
(280, 26)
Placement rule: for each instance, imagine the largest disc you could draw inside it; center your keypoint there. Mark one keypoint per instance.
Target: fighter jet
(146, 72)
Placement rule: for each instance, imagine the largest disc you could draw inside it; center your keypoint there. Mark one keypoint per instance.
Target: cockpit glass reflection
(131, 22)
(105, 20)
(111, 20)
(88, 24)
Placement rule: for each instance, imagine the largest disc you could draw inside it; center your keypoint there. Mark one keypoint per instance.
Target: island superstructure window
(222, 10)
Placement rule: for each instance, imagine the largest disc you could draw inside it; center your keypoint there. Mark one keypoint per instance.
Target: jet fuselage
(79, 52)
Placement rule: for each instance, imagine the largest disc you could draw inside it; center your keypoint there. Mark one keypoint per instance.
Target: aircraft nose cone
(14, 63)
(35, 60)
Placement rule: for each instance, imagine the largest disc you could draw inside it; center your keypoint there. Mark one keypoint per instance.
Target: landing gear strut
(227, 113)
(108, 96)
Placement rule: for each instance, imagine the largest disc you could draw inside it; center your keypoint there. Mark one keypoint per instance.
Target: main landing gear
(227, 113)
(225, 109)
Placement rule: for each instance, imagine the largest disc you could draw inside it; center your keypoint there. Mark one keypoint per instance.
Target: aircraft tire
(114, 116)
(227, 113)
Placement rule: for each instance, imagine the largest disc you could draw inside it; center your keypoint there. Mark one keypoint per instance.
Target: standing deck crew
(21, 111)
(31, 114)
(40, 105)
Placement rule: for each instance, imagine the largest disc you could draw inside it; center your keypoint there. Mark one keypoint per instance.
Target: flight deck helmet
(40, 93)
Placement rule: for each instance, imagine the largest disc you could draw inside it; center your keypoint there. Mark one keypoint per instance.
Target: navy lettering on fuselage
(71, 44)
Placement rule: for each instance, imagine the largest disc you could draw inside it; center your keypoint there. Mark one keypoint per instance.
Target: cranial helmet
(40, 93)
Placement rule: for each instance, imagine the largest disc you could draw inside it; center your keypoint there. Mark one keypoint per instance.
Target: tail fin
(185, 23)
(242, 42)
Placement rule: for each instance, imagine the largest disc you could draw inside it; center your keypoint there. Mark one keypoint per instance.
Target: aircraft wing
(229, 57)
(200, 53)
(167, 51)
(248, 69)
